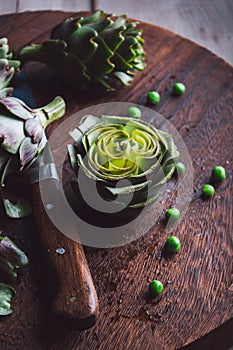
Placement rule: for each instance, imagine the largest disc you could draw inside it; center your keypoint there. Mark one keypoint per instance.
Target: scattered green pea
(180, 168)
(173, 213)
(172, 245)
(153, 97)
(156, 287)
(208, 190)
(134, 112)
(179, 88)
(218, 173)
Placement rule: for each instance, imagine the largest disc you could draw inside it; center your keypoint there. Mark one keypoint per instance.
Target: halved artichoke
(128, 160)
(91, 49)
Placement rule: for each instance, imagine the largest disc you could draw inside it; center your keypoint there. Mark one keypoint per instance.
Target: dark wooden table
(197, 297)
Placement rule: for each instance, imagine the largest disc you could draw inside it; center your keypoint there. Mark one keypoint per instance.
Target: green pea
(156, 287)
(134, 112)
(172, 244)
(180, 168)
(179, 88)
(218, 173)
(173, 213)
(208, 190)
(153, 97)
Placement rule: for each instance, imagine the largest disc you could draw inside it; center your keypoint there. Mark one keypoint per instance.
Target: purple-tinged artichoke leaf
(27, 151)
(11, 132)
(34, 129)
(16, 107)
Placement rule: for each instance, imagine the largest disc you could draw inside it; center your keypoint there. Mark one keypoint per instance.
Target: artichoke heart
(92, 49)
(123, 155)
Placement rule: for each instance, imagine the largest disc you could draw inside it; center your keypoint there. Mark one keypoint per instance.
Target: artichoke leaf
(86, 170)
(101, 25)
(11, 133)
(4, 48)
(93, 18)
(64, 29)
(27, 151)
(16, 107)
(72, 156)
(11, 252)
(6, 73)
(124, 78)
(119, 24)
(17, 210)
(11, 165)
(74, 69)
(87, 122)
(34, 129)
(145, 201)
(6, 92)
(102, 82)
(82, 44)
(76, 135)
(101, 64)
(6, 295)
(127, 50)
(121, 63)
(128, 189)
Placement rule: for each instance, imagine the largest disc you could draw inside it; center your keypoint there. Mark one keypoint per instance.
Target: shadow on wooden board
(219, 339)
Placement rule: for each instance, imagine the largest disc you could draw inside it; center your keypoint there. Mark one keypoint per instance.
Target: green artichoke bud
(92, 49)
(110, 149)
(8, 67)
(22, 131)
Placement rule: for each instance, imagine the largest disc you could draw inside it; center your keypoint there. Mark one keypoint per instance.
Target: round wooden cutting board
(198, 289)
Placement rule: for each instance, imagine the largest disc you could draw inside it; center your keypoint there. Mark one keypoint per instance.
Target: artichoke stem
(52, 111)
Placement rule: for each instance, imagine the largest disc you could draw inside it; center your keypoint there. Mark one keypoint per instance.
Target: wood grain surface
(197, 297)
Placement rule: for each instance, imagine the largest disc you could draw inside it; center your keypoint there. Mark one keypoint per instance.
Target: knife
(76, 300)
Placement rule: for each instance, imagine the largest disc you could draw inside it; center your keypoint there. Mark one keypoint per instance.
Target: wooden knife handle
(76, 300)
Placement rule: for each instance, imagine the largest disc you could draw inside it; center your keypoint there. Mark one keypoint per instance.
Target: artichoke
(8, 67)
(22, 132)
(128, 160)
(92, 49)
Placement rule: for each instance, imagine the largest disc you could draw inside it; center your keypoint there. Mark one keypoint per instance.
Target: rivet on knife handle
(76, 300)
